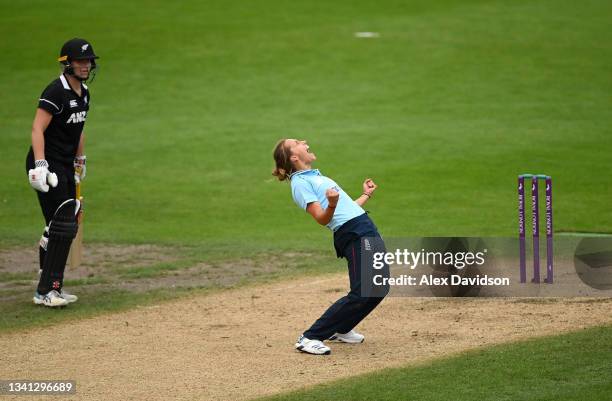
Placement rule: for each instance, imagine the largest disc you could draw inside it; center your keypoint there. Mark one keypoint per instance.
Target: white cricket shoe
(70, 298)
(314, 347)
(52, 299)
(352, 337)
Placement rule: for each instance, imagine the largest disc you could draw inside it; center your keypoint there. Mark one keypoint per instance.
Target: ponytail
(282, 156)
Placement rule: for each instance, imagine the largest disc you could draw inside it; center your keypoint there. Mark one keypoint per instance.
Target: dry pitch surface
(238, 344)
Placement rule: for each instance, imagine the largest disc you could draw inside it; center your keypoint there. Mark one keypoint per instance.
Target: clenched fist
(332, 197)
(369, 187)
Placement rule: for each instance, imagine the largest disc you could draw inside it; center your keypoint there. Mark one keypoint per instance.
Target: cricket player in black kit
(57, 149)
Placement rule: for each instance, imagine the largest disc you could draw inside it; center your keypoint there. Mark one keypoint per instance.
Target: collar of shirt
(305, 172)
(66, 85)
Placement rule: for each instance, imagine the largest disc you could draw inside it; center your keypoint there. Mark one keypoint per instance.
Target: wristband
(41, 163)
(368, 195)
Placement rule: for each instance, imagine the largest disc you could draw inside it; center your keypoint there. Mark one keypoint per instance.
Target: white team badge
(73, 103)
(84, 48)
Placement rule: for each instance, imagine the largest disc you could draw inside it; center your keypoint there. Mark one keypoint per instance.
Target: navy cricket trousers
(352, 308)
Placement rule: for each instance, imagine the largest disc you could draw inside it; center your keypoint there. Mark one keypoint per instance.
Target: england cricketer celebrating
(57, 149)
(330, 206)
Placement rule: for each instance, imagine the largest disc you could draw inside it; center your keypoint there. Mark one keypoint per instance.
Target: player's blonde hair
(282, 158)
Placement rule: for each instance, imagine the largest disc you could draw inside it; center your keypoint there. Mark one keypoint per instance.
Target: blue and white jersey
(309, 186)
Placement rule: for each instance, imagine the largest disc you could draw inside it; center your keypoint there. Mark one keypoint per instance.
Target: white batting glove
(40, 177)
(80, 168)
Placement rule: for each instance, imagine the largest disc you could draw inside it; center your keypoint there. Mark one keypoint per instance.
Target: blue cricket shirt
(309, 186)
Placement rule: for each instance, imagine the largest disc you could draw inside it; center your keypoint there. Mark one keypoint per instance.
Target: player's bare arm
(80, 167)
(368, 189)
(40, 124)
(322, 216)
(81, 147)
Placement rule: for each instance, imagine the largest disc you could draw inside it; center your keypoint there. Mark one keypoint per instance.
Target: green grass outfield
(443, 110)
(572, 366)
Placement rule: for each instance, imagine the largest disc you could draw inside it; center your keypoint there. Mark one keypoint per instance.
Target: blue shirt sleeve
(302, 192)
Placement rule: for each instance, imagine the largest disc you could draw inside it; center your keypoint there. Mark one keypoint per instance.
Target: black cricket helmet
(77, 49)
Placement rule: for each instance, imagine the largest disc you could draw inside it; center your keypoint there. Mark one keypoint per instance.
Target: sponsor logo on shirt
(77, 117)
(73, 103)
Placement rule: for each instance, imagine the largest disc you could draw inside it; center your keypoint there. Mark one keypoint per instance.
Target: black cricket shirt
(69, 112)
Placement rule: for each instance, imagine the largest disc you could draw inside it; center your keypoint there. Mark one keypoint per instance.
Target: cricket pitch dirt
(238, 344)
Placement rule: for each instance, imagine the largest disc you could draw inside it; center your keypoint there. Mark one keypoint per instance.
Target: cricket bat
(76, 249)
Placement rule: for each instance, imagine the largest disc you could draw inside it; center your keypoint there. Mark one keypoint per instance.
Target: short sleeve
(86, 96)
(51, 99)
(302, 192)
